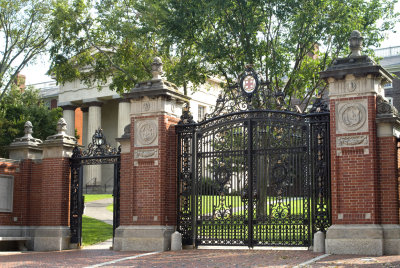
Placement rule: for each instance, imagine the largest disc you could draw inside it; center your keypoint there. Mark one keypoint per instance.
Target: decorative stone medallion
(146, 106)
(352, 141)
(352, 117)
(146, 132)
(351, 86)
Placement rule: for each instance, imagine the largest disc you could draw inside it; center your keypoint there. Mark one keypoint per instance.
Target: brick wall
(41, 196)
(126, 189)
(354, 174)
(388, 180)
(150, 196)
(26, 197)
(55, 183)
(14, 169)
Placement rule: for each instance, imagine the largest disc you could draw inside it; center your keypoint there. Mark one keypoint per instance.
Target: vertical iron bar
(194, 186)
(250, 180)
(81, 204)
(116, 196)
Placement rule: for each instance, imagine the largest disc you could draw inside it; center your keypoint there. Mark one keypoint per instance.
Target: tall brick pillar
(365, 201)
(148, 166)
(52, 232)
(27, 154)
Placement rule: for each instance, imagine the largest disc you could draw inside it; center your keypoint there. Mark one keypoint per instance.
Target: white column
(94, 122)
(124, 115)
(69, 116)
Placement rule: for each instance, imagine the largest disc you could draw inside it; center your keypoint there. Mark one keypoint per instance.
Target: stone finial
(27, 138)
(156, 68)
(61, 135)
(356, 42)
(28, 129)
(61, 126)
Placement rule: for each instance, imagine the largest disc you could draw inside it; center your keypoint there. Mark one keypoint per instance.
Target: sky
(36, 73)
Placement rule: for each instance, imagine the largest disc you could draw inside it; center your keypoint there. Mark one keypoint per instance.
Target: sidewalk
(98, 210)
(99, 255)
(190, 258)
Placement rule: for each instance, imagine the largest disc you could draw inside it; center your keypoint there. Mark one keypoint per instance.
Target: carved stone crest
(146, 153)
(146, 106)
(352, 117)
(351, 86)
(352, 141)
(146, 133)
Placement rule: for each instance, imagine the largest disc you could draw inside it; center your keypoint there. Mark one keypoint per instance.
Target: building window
(388, 85)
(47, 103)
(201, 112)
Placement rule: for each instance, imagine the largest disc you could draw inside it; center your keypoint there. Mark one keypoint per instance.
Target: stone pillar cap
(355, 64)
(61, 136)
(27, 139)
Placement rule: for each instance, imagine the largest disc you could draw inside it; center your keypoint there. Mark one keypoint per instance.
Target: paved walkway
(190, 258)
(99, 255)
(97, 209)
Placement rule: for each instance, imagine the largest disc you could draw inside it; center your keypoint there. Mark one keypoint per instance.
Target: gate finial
(186, 117)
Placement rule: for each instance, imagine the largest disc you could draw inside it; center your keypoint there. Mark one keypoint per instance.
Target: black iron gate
(253, 177)
(98, 152)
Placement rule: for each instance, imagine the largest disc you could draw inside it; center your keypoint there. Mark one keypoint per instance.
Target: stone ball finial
(356, 42)
(156, 68)
(61, 126)
(28, 129)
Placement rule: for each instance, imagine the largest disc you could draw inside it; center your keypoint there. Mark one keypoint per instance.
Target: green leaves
(16, 108)
(201, 38)
(24, 35)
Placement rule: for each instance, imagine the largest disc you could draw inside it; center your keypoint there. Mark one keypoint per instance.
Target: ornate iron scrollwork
(99, 146)
(253, 172)
(319, 106)
(98, 152)
(250, 92)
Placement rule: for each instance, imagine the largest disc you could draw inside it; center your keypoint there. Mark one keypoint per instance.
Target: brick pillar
(363, 163)
(52, 232)
(148, 169)
(26, 155)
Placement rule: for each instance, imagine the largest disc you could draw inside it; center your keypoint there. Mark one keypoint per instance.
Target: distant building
(88, 108)
(48, 92)
(391, 62)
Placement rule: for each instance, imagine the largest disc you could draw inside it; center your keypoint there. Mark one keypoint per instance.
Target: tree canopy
(23, 36)
(289, 42)
(18, 107)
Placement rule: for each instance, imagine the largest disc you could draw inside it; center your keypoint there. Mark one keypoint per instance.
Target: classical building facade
(391, 62)
(90, 108)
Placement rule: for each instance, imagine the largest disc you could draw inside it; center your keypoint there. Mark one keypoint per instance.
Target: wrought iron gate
(253, 177)
(98, 152)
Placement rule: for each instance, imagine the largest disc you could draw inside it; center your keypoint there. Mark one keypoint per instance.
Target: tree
(97, 42)
(113, 39)
(289, 42)
(18, 107)
(24, 36)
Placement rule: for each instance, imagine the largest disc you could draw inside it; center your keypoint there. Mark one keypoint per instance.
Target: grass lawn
(94, 197)
(110, 207)
(95, 231)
